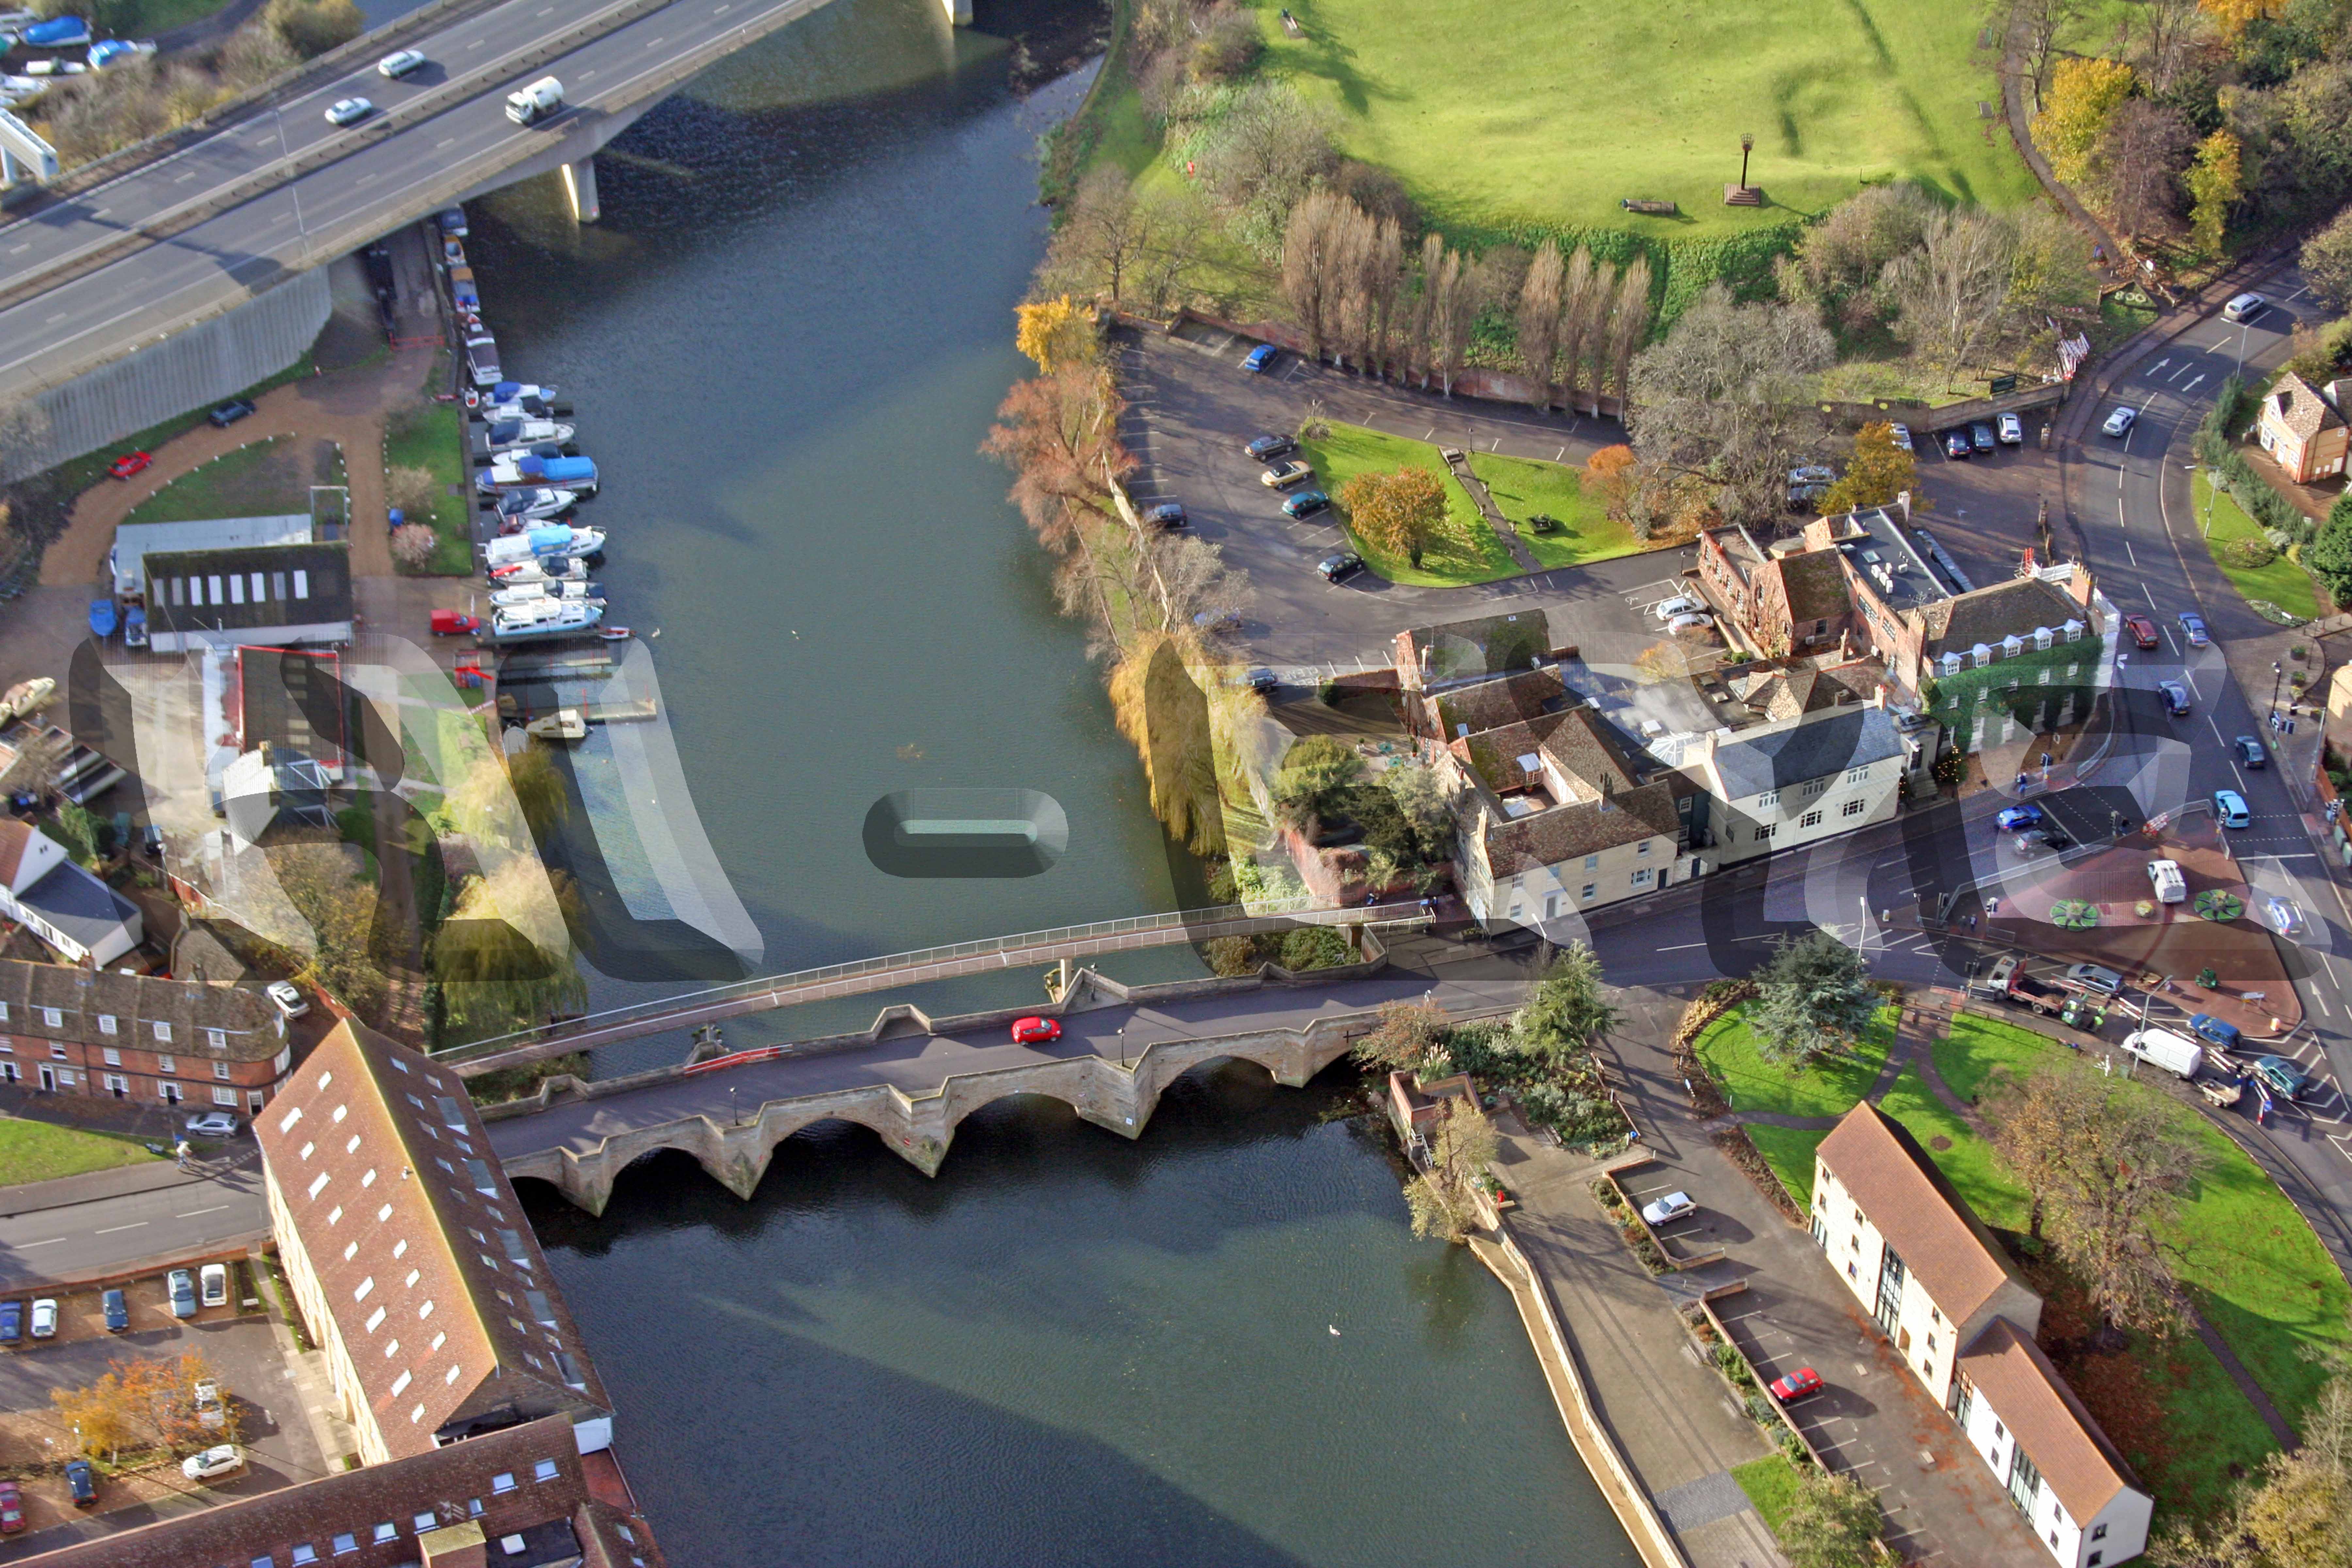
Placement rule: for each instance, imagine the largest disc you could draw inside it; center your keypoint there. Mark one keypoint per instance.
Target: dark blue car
(1261, 359)
(117, 1308)
(12, 1322)
(2017, 816)
(1306, 503)
(2214, 1031)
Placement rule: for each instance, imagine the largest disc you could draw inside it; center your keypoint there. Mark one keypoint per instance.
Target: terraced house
(136, 1036)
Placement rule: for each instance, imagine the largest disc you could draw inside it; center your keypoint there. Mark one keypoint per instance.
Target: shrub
(413, 544)
(2250, 552)
(311, 27)
(1313, 947)
(1229, 955)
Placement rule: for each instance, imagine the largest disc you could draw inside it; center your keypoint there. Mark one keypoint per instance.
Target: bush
(1230, 955)
(1327, 694)
(1314, 947)
(311, 27)
(413, 544)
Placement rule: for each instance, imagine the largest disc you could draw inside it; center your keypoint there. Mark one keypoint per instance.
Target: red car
(12, 1508)
(1802, 1383)
(1032, 1031)
(129, 463)
(453, 623)
(2143, 630)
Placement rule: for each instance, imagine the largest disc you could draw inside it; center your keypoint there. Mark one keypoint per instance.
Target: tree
(103, 1414)
(1407, 1036)
(2044, 21)
(2330, 556)
(2326, 264)
(1314, 781)
(2236, 15)
(1056, 333)
(2216, 183)
(411, 489)
(1310, 248)
(2037, 1125)
(1950, 294)
(1879, 471)
(311, 27)
(1583, 324)
(1267, 152)
(1103, 232)
(1538, 321)
(1727, 398)
(413, 544)
(24, 438)
(1839, 256)
(1397, 512)
(1059, 434)
(2083, 92)
(1834, 1522)
(2168, 38)
(1628, 322)
(340, 910)
(2137, 165)
(1812, 997)
(1567, 1009)
(1422, 796)
(1462, 1144)
(1453, 313)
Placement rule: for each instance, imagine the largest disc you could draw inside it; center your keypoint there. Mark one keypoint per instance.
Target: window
(1592, 862)
(425, 1521)
(402, 1382)
(53, 1017)
(480, 1171)
(257, 588)
(305, 1553)
(318, 1183)
(540, 1306)
(2098, 1533)
(220, 1071)
(113, 1057)
(425, 1310)
(216, 1039)
(1855, 776)
(513, 1243)
(118, 1083)
(384, 1214)
(1590, 889)
(286, 1122)
(1816, 787)
(543, 1471)
(324, 1078)
(368, 1180)
(351, 1250)
(1642, 878)
(106, 1023)
(1854, 809)
(451, 1117)
(374, 1319)
(163, 1033)
(335, 1215)
(386, 1531)
(57, 1052)
(504, 1481)
(235, 596)
(455, 1372)
(302, 584)
(2094, 1559)
(1764, 834)
(346, 1543)
(223, 1097)
(413, 1275)
(1811, 819)
(306, 1150)
(165, 1064)
(1770, 797)
(278, 585)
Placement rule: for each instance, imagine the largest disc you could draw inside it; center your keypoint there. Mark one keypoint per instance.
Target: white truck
(2164, 877)
(529, 105)
(2180, 1056)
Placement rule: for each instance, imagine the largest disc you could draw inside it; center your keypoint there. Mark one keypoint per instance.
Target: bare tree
(1267, 150)
(1104, 235)
(1628, 322)
(2137, 166)
(1538, 321)
(1350, 272)
(1584, 315)
(1452, 317)
(2169, 33)
(2044, 23)
(1843, 254)
(1422, 310)
(1949, 293)
(1384, 278)
(1727, 397)
(1308, 255)
(24, 438)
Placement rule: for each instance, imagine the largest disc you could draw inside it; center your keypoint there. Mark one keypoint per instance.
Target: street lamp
(733, 1119)
(2278, 673)
(1748, 145)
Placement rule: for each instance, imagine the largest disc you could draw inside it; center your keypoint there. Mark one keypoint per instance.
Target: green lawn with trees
(1522, 487)
(1822, 1086)
(1461, 548)
(40, 1152)
(426, 447)
(2230, 534)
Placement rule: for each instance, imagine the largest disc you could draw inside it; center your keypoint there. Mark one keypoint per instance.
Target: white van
(529, 105)
(2165, 877)
(2180, 1056)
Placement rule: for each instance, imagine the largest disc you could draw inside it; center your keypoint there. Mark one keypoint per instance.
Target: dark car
(229, 413)
(2213, 1030)
(1306, 503)
(1955, 444)
(1265, 449)
(2040, 841)
(1981, 437)
(1261, 680)
(1345, 565)
(2143, 631)
(2250, 752)
(1167, 514)
(2176, 697)
(82, 1482)
(117, 1308)
(1261, 359)
(12, 1322)
(2284, 1076)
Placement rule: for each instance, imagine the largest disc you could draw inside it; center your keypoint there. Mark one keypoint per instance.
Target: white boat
(528, 572)
(563, 724)
(548, 541)
(26, 697)
(507, 434)
(531, 593)
(544, 620)
(532, 505)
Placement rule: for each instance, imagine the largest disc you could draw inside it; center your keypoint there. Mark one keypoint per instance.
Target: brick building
(139, 1038)
(2301, 427)
(1780, 598)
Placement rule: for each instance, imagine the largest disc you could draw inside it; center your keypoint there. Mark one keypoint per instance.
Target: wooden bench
(1654, 209)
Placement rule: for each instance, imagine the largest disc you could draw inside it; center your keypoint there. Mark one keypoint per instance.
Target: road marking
(184, 179)
(2129, 552)
(111, 1229)
(60, 316)
(1682, 947)
(445, 141)
(365, 180)
(478, 43)
(28, 1245)
(658, 43)
(194, 1213)
(2192, 385)
(100, 212)
(14, 248)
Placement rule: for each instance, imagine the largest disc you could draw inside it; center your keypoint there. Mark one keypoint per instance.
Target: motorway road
(117, 1233)
(335, 208)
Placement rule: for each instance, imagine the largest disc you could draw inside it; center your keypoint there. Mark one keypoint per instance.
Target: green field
(433, 436)
(2283, 583)
(1826, 1087)
(38, 1152)
(1524, 486)
(270, 478)
(1462, 549)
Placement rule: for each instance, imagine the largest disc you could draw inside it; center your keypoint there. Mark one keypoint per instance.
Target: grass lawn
(2283, 583)
(267, 479)
(1789, 1152)
(1486, 108)
(1462, 549)
(1727, 1046)
(38, 1152)
(81, 473)
(1770, 1484)
(433, 436)
(1522, 487)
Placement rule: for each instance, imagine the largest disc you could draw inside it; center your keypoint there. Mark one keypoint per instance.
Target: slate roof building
(1794, 781)
(80, 917)
(249, 594)
(133, 542)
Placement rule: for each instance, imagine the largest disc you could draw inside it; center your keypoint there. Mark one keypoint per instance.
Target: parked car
(1266, 448)
(2011, 431)
(1680, 605)
(2175, 695)
(2120, 422)
(210, 1412)
(2250, 752)
(1167, 514)
(229, 413)
(1802, 1383)
(1809, 484)
(129, 463)
(1902, 436)
(399, 63)
(2229, 809)
(182, 1287)
(2194, 624)
(12, 1508)
(82, 1483)
(1283, 475)
(349, 110)
(213, 1463)
(1035, 1031)
(1306, 503)
(1673, 1206)
(2013, 817)
(211, 1284)
(12, 1322)
(2094, 977)
(1691, 623)
(117, 1308)
(45, 1317)
(286, 997)
(213, 1124)
(1261, 680)
(2244, 308)
(2284, 1076)
(1261, 359)
(1981, 437)
(1339, 567)
(2143, 631)
(2284, 916)
(454, 624)
(2215, 1030)
(1956, 445)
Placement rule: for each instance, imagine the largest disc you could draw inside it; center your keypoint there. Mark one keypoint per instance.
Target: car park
(2194, 624)
(2284, 916)
(229, 413)
(1339, 567)
(1667, 1209)
(349, 110)
(2143, 631)
(182, 1287)
(286, 997)
(211, 1284)
(2175, 695)
(12, 1508)
(1981, 437)
(117, 1308)
(129, 463)
(81, 1481)
(213, 1463)
(1802, 1383)
(1956, 445)
(1306, 503)
(1691, 623)
(2015, 816)
(213, 1124)
(2120, 422)
(1167, 514)
(1265, 449)
(1261, 359)
(1902, 436)
(2229, 809)
(2214, 1031)
(2244, 308)
(12, 1322)
(1283, 475)
(399, 63)
(2250, 752)
(2094, 977)
(2011, 429)
(1680, 605)
(45, 1317)
(1036, 1031)
(2281, 1075)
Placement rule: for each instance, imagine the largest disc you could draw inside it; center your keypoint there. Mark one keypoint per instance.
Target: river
(1219, 1344)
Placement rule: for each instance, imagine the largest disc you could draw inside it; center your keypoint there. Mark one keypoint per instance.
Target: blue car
(12, 1322)
(2017, 816)
(2230, 808)
(1261, 359)
(2283, 1077)
(2214, 1031)
(117, 1308)
(2194, 624)
(1306, 503)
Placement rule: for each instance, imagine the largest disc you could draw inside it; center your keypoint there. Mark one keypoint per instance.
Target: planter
(2073, 914)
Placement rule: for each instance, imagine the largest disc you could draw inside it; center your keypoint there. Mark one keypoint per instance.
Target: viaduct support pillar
(580, 189)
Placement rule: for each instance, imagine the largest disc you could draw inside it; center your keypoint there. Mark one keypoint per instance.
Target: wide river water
(1219, 1344)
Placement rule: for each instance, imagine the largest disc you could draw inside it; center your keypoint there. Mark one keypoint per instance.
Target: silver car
(1673, 1206)
(349, 111)
(396, 66)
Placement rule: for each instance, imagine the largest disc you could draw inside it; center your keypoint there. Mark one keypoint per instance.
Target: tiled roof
(2065, 1443)
(2294, 403)
(1815, 584)
(1915, 1209)
(15, 837)
(1794, 752)
(2018, 608)
(1491, 704)
(1582, 827)
(436, 1284)
(84, 999)
(1489, 646)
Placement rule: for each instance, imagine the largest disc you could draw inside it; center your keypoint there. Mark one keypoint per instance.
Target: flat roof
(134, 542)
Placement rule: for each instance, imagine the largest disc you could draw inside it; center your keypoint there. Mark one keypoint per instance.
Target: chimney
(1902, 499)
(1878, 696)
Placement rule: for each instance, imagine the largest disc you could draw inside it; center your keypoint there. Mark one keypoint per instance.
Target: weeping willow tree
(501, 971)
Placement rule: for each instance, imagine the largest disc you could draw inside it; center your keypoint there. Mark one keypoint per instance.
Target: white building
(86, 921)
(1937, 1283)
(1795, 782)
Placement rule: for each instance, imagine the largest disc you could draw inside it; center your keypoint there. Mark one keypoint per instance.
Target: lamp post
(1748, 145)
(733, 1119)
(2278, 673)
